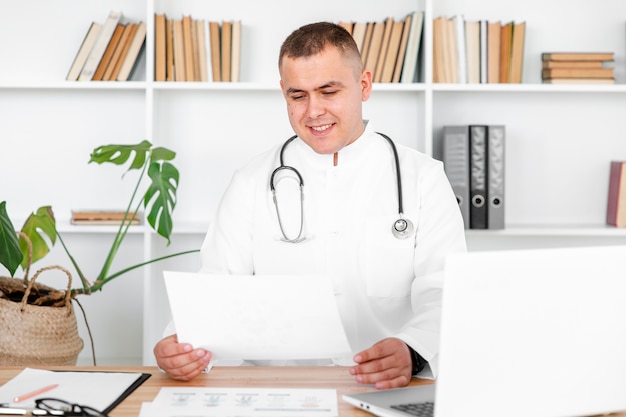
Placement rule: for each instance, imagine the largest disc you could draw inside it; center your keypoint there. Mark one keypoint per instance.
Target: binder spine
(456, 166)
(495, 177)
(478, 176)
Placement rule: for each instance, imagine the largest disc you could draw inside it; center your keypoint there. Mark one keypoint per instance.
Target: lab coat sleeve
(439, 232)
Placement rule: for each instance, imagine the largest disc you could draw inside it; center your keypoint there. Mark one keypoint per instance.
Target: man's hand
(179, 360)
(387, 364)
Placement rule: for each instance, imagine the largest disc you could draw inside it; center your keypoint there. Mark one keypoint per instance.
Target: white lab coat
(385, 287)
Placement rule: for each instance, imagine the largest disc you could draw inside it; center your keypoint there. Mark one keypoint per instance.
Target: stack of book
(477, 51)
(184, 51)
(577, 67)
(102, 217)
(109, 51)
(473, 158)
(390, 48)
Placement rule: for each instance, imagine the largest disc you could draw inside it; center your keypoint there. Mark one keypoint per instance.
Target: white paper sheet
(256, 317)
(242, 402)
(95, 389)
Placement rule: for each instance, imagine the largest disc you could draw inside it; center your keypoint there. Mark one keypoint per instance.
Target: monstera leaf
(10, 254)
(14, 251)
(160, 197)
(42, 221)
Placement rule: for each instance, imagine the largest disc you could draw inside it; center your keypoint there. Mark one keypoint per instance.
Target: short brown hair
(311, 39)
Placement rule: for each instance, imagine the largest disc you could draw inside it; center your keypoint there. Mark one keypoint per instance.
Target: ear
(366, 84)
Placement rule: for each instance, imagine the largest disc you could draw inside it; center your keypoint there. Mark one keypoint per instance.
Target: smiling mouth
(322, 128)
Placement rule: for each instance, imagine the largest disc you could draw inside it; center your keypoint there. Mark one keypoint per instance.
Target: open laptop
(538, 333)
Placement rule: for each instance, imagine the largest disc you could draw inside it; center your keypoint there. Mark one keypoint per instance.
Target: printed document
(257, 317)
(242, 402)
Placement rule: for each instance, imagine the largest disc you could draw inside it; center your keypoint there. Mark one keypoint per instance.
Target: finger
(186, 366)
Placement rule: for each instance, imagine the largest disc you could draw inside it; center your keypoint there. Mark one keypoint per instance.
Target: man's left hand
(387, 364)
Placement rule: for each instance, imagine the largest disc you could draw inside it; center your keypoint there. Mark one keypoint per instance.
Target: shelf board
(591, 230)
(530, 88)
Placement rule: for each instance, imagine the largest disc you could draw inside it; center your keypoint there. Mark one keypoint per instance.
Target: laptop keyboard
(425, 409)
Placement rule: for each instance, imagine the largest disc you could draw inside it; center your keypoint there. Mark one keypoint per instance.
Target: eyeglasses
(57, 407)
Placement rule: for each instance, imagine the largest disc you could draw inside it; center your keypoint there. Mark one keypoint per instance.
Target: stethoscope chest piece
(402, 228)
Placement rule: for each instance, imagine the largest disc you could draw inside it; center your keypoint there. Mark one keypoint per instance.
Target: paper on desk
(96, 389)
(257, 317)
(242, 402)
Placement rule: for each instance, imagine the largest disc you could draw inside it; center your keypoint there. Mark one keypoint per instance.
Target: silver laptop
(537, 333)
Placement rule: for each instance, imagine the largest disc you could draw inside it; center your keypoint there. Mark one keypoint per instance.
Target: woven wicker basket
(36, 334)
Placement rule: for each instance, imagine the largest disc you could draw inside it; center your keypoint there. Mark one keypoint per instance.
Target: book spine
(495, 177)
(456, 166)
(478, 177)
(616, 206)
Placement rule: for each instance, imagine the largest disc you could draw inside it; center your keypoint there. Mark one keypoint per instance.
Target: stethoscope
(401, 228)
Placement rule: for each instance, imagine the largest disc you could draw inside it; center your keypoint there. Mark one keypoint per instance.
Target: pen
(32, 394)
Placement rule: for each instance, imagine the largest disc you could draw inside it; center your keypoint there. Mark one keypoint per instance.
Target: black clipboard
(132, 387)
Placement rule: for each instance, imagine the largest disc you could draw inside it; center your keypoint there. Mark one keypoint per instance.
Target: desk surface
(238, 376)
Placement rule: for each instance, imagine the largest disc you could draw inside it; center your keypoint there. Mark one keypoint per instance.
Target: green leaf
(162, 195)
(39, 223)
(162, 154)
(10, 253)
(119, 154)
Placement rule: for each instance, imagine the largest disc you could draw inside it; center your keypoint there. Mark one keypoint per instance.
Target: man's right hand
(180, 360)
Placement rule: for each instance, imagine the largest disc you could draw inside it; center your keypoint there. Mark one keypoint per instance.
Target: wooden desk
(238, 376)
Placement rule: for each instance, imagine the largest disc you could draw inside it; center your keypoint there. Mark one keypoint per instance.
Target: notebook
(538, 332)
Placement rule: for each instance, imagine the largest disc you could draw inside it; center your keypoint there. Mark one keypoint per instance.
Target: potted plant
(24, 302)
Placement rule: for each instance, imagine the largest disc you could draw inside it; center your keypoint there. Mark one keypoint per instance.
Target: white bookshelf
(560, 139)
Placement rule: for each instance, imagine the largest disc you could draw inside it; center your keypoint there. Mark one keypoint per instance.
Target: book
(478, 176)
(410, 67)
(404, 40)
(367, 40)
(179, 50)
(456, 165)
(461, 53)
(215, 42)
(495, 176)
(438, 50)
(202, 49)
(376, 42)
(494, 32)
(226, 49)
(483, 52)
(83, 52)
(616, 205)
(188, 50)
(131, 58)
(577, 56)
(160, 66)
(235, 55)
(99, 47)
(393, 48)
(169, 50)
(472, 51)
(103, 217)
(120, 52)
(108, 53)
(451, 68)
(382, 53)
(579, 81)
(577, 73)
(358, 34)
(506, 36)
(571, 64)
(517, 52)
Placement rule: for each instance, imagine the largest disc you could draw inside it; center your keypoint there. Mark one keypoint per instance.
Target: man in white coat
(388, 289)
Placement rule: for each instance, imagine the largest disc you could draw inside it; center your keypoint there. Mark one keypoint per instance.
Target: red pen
(32, 394)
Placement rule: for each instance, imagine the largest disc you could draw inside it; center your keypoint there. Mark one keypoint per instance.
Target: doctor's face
(324, 95)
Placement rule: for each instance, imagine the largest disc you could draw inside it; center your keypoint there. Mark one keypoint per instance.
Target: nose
(315, 107)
